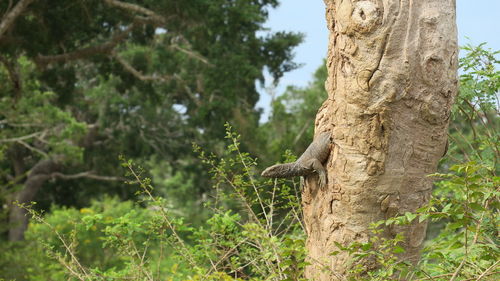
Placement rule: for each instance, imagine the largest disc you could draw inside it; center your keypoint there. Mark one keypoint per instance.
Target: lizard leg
(318, 168)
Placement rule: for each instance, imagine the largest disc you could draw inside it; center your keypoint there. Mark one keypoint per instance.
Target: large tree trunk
(392, 78)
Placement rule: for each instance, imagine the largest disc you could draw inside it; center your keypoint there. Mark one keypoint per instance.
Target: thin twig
(26, 137)
(160, 258)
(87, 174)
(34, 149)
(247, 170)
(137, 9)
(241, 196)
(225, 256)
(485, 126)
(105, 48)
(141, 259)
(339, 276)
(467, 142)
(186, 253)
(488, 269)
(271, 209)
(469, 279)
(66, 246)
(136, 73)
(476, 236)
(191, 53)
(465, 154)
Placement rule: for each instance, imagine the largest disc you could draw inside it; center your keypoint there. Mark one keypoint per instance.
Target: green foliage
(254, 233)
(206, 51)
(291, 123)
(37, 123)
(480, 79)
(84, 81)
(269, 244)
(474, 125)
(179, 188)
(88, 233)
(468, 201)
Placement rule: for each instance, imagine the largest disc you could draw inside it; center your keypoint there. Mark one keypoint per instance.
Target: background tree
(88, 80)
(392, 78)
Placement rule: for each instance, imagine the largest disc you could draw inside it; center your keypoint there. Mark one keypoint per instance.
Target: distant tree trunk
(392, 79)
(18, 219)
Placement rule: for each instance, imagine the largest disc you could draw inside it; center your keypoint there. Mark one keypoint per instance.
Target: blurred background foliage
(82, 82)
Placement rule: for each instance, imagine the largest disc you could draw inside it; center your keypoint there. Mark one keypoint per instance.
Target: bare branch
(474, 241)
(191, 54)
(485, 273)
(165, 78)
(11, 16)
(8, 8)
(32, 148)
(21, 125)
(88, 174)
(128, 67)
(136, 9)
(105, 48)
(22, 138)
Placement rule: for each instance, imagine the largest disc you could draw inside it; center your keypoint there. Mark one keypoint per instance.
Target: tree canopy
(85, 81)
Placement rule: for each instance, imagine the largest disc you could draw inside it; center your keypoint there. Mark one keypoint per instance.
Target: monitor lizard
(309, 162)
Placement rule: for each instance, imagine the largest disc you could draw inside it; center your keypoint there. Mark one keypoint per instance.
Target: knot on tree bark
(364, 16)
(361, 17)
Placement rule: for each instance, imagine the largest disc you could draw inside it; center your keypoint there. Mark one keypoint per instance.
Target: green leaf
(410, 216)
(398, 250)
(476, 207)
(446, 208)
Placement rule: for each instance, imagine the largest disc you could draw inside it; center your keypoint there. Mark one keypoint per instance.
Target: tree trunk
(392, 79)
(18, 219)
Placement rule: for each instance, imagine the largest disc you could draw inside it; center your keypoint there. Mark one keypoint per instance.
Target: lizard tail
(279, 171)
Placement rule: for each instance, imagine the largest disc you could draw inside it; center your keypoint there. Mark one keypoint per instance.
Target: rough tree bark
(392, 78)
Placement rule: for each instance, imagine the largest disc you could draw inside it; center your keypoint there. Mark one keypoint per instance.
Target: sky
(479, 20)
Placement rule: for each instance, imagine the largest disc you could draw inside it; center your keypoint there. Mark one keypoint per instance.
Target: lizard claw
(322, 180)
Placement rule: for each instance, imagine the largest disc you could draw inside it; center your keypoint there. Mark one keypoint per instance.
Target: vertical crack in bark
(382, 54)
